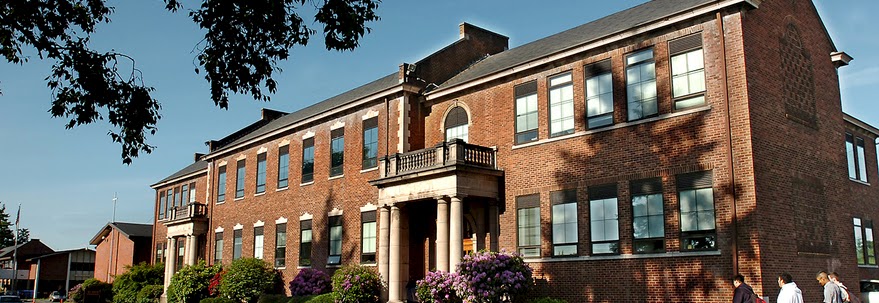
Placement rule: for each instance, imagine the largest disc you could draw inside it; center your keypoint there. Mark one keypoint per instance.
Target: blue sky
(65, 179)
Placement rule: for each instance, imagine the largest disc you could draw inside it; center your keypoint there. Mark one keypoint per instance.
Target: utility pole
(114, 207)
(112, 241)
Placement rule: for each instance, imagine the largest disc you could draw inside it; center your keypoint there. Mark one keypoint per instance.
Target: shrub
(150, 293)
(437, 287)
(324, 298)
(75, 293)
(548, 300)
(190, 283)
(356, 284)
(246, 279)
(492, 277)
(104, 290)
(273, 298)
(217, 300)
(310, 282)
(127, 286)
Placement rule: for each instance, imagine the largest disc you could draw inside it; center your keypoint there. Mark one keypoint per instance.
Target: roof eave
(857, 122)
(595, 43)
(187, 176)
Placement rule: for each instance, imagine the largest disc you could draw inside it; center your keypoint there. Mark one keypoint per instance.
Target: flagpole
(15, 250)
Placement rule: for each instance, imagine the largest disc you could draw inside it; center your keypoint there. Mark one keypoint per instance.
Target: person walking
(789, 293)
(832, 292)
(846, 296)
(743, 292)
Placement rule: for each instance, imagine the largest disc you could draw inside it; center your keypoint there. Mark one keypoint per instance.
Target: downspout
(729, 159)
(387, 127)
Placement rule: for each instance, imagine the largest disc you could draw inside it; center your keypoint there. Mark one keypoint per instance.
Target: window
(370, 143)
(604, 219)
(236, 244)
(160, 254)
(305, 243)
(599, 94)
(337, 152)
(564, 222)
(184, 195)
(177, 197)
(641, 84)
(239, 180)
(528, 223)
(280, 245)
(696, 197)
(161, 205)
(169, 203)
(648, 221)
(283, 165)
(854, 151)
(864, 242)
(526, 112)
(368, 237)
(687, 71)
(218, 248)
(457, 124)
(181, 252)
(561, 105)
(221, 184)
(192, 192)
(335, 256)
(307, 160)
(261, 173)
(258, 242)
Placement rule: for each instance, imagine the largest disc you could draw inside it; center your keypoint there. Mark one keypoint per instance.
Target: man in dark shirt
(743, 292)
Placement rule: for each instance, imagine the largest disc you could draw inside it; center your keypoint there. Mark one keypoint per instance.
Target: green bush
(127, 286)
(190, 284)
(150, 293)
(217, 300)
(356, 284)
(273, 298)
(246, 279)
(548, 300)
(104, 291)
(324, 298)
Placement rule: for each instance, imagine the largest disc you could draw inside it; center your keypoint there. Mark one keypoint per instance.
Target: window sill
(238, 199)
(281, 268)
(282, 188)
(369, 169)
(334, 265)
(868, 266)
(368, 264)
(616, 126)
(306, 183)
(624, 256)
(335, 177)
(259, 194)
(221, 202)
(302, 267)
(859, 182)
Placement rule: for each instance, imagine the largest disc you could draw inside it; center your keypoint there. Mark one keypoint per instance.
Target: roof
(60, 252)
(128, 229)
(857, 122)
(645, 13)
(365, 90)
(29, 247)
(198, 166)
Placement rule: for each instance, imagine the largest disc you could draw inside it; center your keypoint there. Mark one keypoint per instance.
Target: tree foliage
(243, 43)
(7, 230)
(190, 284)
(127, 286)
(246, 279)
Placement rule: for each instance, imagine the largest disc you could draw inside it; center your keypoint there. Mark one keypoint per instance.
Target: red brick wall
(113, 256)
(160, 231)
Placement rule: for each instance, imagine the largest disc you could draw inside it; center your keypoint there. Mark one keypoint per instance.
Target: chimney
(497, 41)
(271, 114)
(198, 157)
(211, 144)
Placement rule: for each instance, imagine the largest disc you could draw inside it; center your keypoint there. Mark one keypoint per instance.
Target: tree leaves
(243, 43)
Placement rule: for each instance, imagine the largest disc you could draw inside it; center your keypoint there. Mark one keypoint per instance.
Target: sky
(65, 180)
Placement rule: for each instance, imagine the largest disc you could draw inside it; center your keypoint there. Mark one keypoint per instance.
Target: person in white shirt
(789, 293)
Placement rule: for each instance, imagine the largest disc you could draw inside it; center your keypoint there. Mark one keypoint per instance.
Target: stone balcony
(187, 220)
(453, 168)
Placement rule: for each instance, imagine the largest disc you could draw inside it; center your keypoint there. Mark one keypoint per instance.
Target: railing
(444, 154)
(191, 210)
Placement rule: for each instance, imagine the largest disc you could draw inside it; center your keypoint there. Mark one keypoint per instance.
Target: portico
(454, 184)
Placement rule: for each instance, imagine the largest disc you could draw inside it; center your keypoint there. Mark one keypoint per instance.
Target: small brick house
(121, 244)
(645, 156)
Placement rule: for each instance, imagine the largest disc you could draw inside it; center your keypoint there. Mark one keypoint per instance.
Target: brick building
(121, 244)
(645, 156)
(61, 270)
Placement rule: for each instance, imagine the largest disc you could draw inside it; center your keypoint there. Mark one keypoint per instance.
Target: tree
(243, 43)
(23, 235)
(7, 230)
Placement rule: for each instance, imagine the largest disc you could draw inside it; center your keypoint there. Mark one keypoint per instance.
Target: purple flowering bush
(356, 284)
(485, 277)
(437, 287)
(310, 282)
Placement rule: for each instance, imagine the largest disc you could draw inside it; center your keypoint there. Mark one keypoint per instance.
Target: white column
(394, 282)
(442, 234)
(456, 238)
(191, 249)
(170, 259)
(384, 220)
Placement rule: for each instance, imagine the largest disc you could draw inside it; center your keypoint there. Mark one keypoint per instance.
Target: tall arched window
(457, 126)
